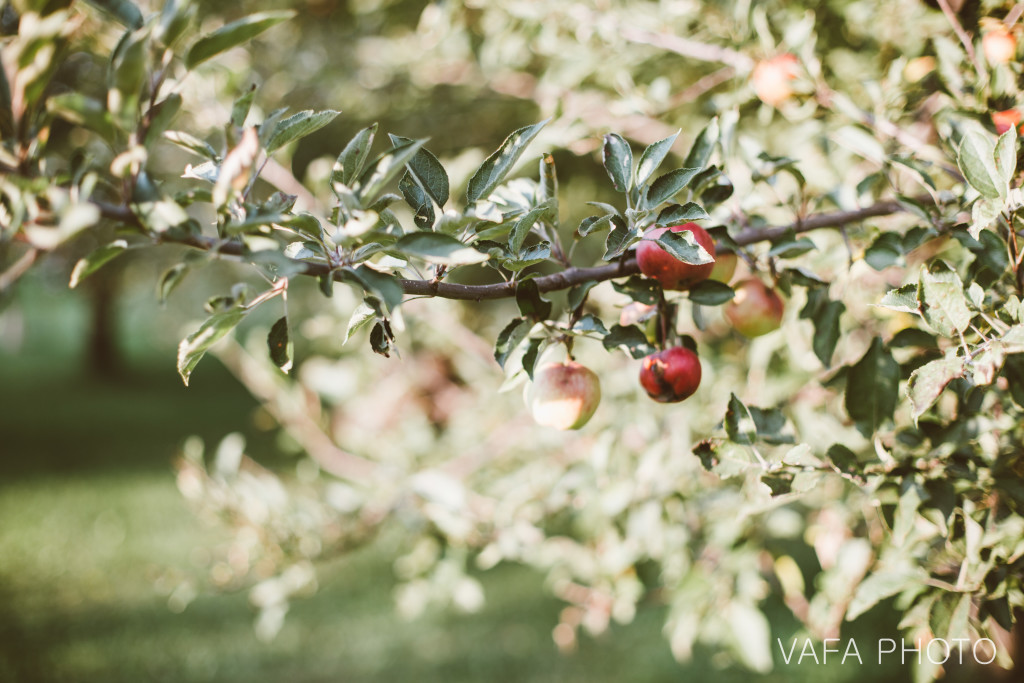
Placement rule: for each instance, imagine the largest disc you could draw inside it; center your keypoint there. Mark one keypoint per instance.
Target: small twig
(963, 36)
(690, 48)
(17, 269)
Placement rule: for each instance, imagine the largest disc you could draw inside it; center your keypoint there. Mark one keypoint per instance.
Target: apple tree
(801, 242)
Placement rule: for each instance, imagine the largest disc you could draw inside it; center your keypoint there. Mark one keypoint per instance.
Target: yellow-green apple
(725, 266)
(772, 78)
(999, 45)
(563, 395)
(672, 273)
(755, 310)
(671, 375)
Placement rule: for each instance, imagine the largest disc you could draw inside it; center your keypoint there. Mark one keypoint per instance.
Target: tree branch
(564, 279)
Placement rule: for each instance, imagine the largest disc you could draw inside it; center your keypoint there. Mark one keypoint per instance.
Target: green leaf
(882, 584)
(1005, 155)
(531, 256)
(630, 339)
(902, 299)
(928, 381)
(500, 163)
(509, 339)
(619, 239)
(667, 186)
(83, 111)
(384, 286)
(684, 247)
(618, 161)
(578, 294)
(380, 341)
(871, 388)
(194, 347)
(97, 259)
(352, 159)
(911, 496)
(171, 278)
(885, 251)
(362, 316)
(125, 12)
(592, 223)
(384, 169)
(435, 247)
(977, 162)
(523, 226)
(943, 304)
(826, 331)
(703, 146)
(232, 35)
(531, 303)
(674, 214)
(642, 289)
(427, 171)
(792, 247)
(418, 200)
(739, 423)
(652, 158)
(298, 126)
(711, 293)
(279, 345)
(192, 144)
(589, 324)
(532, 354)
(984, 213)
(242, 105)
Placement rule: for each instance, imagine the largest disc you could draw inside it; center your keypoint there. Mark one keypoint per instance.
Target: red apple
(725, 266)
(999, 46)
(563, 395)
(771, 78)
(755, 310)
(1005, 120)
(671, 375)
(672, 273)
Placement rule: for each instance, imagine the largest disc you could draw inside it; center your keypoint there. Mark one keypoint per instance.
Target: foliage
(879, 427)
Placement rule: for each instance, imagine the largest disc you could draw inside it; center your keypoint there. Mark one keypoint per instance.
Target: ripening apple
(671, 375)
(999, 46)
(725, 266)
(755, 309)
(1005, 120)
(772, 78)
(563, 395)
(672, 273)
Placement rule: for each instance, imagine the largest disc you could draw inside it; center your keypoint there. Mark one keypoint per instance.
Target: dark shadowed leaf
(352, 159)
(279, 345)
(630, 339)
(872, 388)
(711, 293)
(427, 171)
(509, 338)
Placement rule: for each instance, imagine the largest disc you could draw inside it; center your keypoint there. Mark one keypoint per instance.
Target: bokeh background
(105, 566)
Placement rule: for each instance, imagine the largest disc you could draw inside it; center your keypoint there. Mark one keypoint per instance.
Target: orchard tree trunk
(103, 356)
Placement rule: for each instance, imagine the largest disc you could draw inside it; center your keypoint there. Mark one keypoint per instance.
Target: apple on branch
(563, 395)
(656, 263)
(755, 309)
